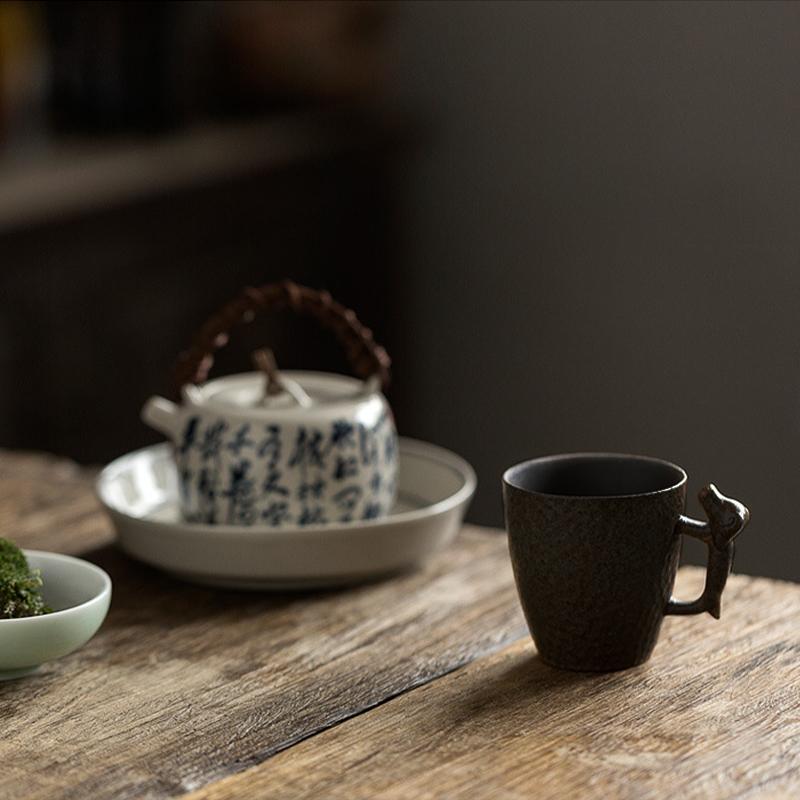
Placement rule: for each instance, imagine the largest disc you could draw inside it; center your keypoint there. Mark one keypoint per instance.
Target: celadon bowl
(79, 594)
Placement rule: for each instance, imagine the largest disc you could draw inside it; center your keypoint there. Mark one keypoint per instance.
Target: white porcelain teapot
(282, 449)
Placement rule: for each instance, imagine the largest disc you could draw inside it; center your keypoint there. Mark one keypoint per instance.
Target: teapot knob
(276, 383)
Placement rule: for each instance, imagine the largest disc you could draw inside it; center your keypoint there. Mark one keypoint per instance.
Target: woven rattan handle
(366, 357)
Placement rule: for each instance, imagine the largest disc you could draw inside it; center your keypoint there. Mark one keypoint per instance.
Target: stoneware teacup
(595, 542)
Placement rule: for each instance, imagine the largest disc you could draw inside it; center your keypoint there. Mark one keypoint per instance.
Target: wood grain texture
(48, 503)
(420, 687)
(183, 685)
(714, 714)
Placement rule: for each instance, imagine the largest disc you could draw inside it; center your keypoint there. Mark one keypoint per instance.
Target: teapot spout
(163, 415)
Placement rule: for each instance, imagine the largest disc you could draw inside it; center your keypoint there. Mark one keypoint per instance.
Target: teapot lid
(245, 394)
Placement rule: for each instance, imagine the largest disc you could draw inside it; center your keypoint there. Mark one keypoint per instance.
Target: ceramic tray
(139, 492)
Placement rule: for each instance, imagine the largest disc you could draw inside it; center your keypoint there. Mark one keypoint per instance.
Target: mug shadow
(532, 690)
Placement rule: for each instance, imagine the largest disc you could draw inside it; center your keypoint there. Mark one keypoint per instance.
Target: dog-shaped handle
(726, 520)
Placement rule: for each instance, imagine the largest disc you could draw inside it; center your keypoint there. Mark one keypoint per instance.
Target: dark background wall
(602, 242)
(575, 226)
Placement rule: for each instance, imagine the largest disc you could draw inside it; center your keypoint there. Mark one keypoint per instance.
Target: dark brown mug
(595, 541)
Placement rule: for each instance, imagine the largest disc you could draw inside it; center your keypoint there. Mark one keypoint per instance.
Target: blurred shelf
(78, 177)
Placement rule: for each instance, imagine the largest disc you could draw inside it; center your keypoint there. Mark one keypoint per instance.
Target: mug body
(286, 467)
(595, 550)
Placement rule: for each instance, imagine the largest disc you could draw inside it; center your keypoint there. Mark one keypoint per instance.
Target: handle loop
(726, 520)
(366, 357)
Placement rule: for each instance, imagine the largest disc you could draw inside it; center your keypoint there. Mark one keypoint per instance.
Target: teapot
(281, 449)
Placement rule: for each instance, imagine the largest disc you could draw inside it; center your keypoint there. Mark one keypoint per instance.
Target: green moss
(20, 586)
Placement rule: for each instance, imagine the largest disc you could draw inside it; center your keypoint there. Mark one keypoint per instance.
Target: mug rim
(509, 475)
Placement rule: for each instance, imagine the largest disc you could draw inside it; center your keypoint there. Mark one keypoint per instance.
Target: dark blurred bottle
(317, 52)
(121, 66)
(24, 71)
(150, 66)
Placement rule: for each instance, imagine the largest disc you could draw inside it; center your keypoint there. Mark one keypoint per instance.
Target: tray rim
(415, 447)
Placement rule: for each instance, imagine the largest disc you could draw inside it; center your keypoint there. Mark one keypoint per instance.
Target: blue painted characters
(335, 461)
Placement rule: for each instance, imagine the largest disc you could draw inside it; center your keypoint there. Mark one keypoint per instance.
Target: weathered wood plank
(715, 714)
(184, 685)
(47, 503)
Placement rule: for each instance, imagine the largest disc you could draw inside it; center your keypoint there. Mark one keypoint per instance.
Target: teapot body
(282, 466)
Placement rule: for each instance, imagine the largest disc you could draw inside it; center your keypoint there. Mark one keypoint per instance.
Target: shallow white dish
(139, 492)
(79, 593)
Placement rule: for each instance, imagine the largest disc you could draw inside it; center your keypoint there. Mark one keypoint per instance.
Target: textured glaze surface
(595, 573)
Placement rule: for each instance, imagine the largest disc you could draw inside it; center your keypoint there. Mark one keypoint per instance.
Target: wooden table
(425, 686)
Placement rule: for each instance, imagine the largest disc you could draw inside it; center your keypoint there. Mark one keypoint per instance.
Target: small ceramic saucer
(79, 593)
(140, 493)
